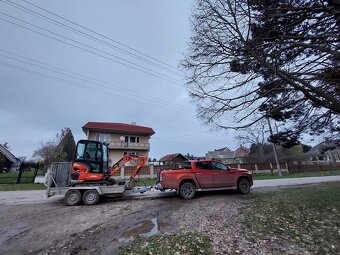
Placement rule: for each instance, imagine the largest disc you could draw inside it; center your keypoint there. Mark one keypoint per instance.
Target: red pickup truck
(204, 175)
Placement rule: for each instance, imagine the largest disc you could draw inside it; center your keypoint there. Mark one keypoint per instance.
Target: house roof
(223, 149)
(7, 154)
(170, 157)
(131, 128)
(317, 149)
(241, 152)
(225, 153)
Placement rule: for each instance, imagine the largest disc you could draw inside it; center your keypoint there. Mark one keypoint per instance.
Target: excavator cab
(91, 161)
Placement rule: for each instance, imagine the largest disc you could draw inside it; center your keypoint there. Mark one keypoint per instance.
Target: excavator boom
(117, 166)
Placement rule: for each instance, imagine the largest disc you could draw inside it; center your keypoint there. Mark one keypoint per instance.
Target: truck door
(204, 174)
(223, 177)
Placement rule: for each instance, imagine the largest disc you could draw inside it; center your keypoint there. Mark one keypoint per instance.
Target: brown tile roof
(118, 127)
(170, 157)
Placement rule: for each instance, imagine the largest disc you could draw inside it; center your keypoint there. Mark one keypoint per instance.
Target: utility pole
(274, 149)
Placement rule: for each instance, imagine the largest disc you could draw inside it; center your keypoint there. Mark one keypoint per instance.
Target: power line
(180, 136)
(71, 83)
(169, 79)
(86, 78)
(104, 36)
(34, 13)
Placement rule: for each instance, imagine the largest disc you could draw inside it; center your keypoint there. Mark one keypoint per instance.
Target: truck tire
(187, 190)
(72, 197)
(90, 197)
(243, 186)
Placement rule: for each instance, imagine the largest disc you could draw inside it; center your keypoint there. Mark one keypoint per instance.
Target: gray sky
(34, 108)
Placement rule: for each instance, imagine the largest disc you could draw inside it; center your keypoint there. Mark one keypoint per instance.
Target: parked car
(204, 175)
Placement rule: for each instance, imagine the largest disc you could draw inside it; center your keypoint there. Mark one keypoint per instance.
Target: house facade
(8, 162)
(326, 151)
(123, 139)
(174, 158)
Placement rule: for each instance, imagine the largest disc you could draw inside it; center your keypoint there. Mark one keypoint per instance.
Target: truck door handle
(198, 173)
(216, 173)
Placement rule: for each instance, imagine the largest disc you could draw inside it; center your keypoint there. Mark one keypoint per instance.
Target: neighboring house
(227, 156)
(174, 158)
(123, 139)
(8, 162)
(327, 151)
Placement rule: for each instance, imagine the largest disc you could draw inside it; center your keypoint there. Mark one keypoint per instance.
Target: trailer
(59, 182)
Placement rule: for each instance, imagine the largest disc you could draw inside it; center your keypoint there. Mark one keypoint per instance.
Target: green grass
(146, 182)
(184, 243)
(308, 217)
(22, 186)
(298, 175)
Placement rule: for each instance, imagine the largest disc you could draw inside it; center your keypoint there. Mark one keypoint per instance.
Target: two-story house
(123, 139)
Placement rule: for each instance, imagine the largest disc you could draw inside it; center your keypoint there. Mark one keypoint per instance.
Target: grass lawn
(185, 243)
(22, 186)
(297, 175)
(308, 217)
(146, 182)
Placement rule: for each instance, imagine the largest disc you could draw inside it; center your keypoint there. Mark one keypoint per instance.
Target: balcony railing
(126, 145)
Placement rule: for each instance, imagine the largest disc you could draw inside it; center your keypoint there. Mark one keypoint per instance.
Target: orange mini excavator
(91, 164)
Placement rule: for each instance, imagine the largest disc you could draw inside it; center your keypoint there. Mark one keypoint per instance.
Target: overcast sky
(37, 100)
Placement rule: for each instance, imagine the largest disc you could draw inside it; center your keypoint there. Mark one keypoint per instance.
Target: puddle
(154, 229)
(146, 229)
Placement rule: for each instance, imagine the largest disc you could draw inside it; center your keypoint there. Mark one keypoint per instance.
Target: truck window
(203, 165)
(219, 166)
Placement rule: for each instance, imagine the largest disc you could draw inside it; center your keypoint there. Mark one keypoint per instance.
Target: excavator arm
(141, 162)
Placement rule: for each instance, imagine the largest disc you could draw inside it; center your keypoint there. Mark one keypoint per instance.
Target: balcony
(126, 145)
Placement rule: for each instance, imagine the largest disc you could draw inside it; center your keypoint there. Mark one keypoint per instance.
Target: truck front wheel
(243, 186)
(187, 190)
(72, 197)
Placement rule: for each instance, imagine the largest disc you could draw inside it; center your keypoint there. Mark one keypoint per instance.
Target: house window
(131, 139)
(132, 153)
(103, 137)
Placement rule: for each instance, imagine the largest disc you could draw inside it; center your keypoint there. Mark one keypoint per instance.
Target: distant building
(8, 162)
(123, 139)
(327, 151)
(170, 159)
(227, 156)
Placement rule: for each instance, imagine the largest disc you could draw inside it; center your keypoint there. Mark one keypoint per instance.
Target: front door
(223, 176)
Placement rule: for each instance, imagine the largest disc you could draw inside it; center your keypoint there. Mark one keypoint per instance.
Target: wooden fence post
(36, 168)
(151, 172)
(256, 169)
(21, 169)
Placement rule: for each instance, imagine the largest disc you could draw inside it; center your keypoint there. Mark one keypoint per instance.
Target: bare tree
(252, 59)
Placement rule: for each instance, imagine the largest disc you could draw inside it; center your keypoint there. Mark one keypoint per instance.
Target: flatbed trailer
(59, 182)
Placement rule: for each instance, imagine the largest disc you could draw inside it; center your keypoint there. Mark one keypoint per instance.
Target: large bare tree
(253, 59)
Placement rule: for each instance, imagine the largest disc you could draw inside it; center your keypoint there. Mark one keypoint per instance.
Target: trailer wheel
(72, 197)
(90, 197)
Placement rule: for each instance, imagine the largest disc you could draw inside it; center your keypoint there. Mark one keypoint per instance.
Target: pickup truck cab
(204, 175)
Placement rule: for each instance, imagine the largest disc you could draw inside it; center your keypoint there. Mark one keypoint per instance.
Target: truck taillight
(160, 178)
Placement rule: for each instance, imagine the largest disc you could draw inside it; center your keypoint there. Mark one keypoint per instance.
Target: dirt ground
(53, 228)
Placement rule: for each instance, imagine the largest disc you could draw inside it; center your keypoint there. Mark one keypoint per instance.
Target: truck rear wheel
(90, 197)
(187, 190)
(72, 197)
